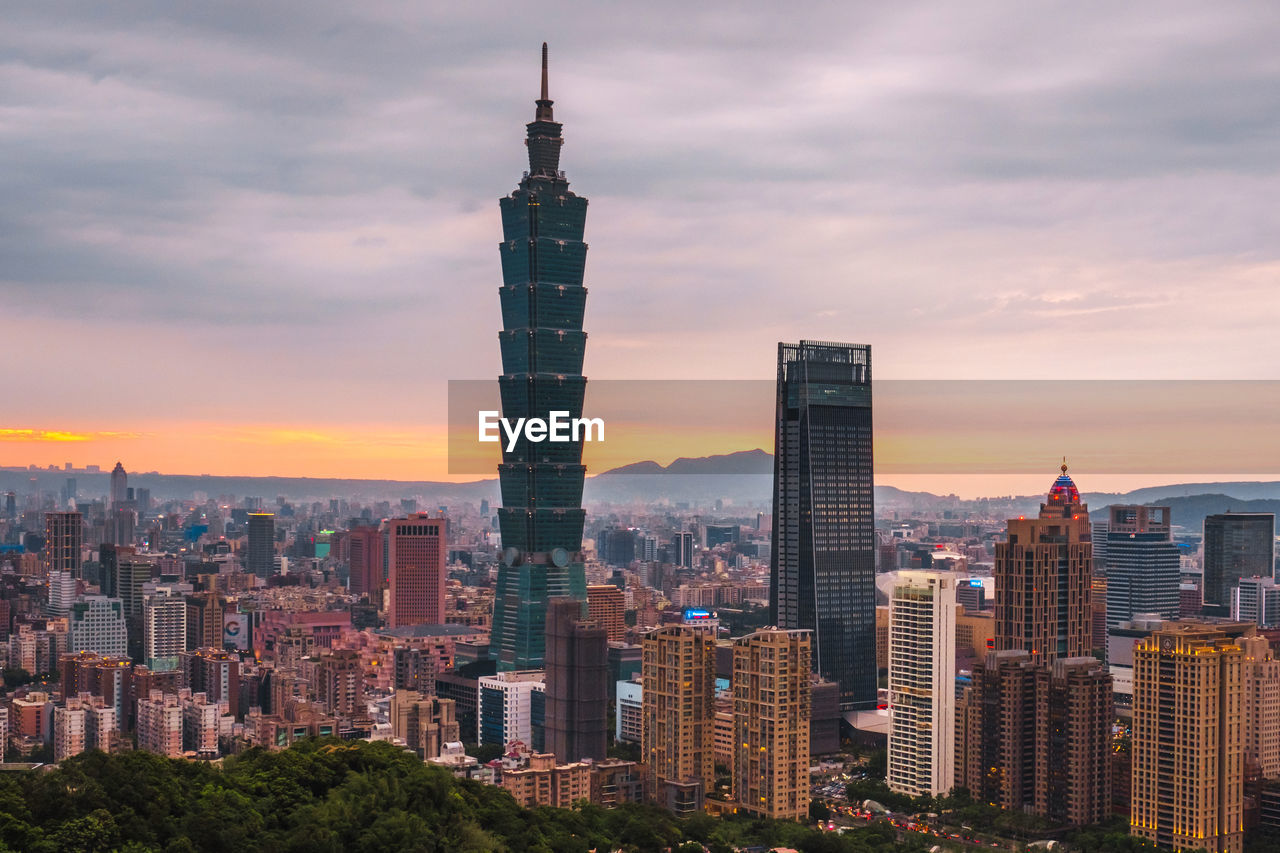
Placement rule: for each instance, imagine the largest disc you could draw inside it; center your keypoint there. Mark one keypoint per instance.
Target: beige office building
(771, 702)
(1260, 676)
(678, 715)
(1188, 744)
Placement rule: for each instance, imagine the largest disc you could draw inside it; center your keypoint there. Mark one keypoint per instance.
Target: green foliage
(1111, 837)
(484, 752)
(15, 676)
(625, 750)
(329, 796)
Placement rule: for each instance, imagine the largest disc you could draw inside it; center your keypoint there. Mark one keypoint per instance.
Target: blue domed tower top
(1064, 489)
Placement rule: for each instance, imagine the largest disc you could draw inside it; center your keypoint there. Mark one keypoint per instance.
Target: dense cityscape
(515, 664)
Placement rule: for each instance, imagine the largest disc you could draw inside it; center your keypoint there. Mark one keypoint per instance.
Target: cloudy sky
(258, 238)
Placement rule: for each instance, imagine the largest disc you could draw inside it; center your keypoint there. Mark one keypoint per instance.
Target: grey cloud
(305, 179)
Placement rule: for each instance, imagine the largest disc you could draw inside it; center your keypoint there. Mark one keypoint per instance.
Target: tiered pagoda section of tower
(543, 298)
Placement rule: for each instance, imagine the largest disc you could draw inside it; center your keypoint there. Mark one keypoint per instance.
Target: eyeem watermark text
(558, 427)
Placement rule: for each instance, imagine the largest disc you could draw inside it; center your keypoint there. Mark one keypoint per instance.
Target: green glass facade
(542, 342)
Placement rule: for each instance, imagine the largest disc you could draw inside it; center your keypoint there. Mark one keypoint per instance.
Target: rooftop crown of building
(1064, 489)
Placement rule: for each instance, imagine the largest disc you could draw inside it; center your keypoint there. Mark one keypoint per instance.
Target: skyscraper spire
(545, 102)
(544, 138)
(544, 71)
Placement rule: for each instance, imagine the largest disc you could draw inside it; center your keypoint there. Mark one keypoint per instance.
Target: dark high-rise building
(996, 731)
(1044, 579)
(1074, 710)
(1236, 545)
(577, 684)
(415, 669)
(204, 620)
(543, 259)
(364, 546)
(823, 551)
(260, 558)
(1143, 566)
(616, 546)
(63, 535)
(213, 672)
(121, 522)
(1033, 729)
(682, 549)
(119, 485)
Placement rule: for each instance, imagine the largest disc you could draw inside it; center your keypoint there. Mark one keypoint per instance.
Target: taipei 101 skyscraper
(542, 341)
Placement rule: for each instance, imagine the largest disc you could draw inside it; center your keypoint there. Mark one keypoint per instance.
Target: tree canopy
(330, 795)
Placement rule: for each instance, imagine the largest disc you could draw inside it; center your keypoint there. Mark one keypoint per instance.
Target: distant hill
(744, 478)
(742, 462)
(1189, 511)
(1240, 490)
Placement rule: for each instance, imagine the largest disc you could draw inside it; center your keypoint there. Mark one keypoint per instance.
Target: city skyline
(973, 188)
(248, 242)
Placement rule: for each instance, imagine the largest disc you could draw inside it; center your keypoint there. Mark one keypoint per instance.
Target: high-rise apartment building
(1043, 577)
(678, 694)
(131, 573)
(629, 712)
(996, 731)
(1257, 600)
(213, 672)
(63, 537)
(418, 549)
(68, 731)
(1074, 711)
(823, 546)
(1033, 729)
(1187, 739)
(1236, 545)
(340, 683)
(204, 620)
(62, 593)
(1260, 711)
(607, 607)
(200, 717)
(1143, 566)
(577, 667)
(160, 724)
(542, 341)
(260, 552)
(364, 546)
(922, 694)
(96, 624)
(164, 630)
(107, 678)
(772, 680)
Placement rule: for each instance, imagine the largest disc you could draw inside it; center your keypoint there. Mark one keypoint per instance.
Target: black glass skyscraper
(823, 557)
(1236, 545)
(543, 259)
